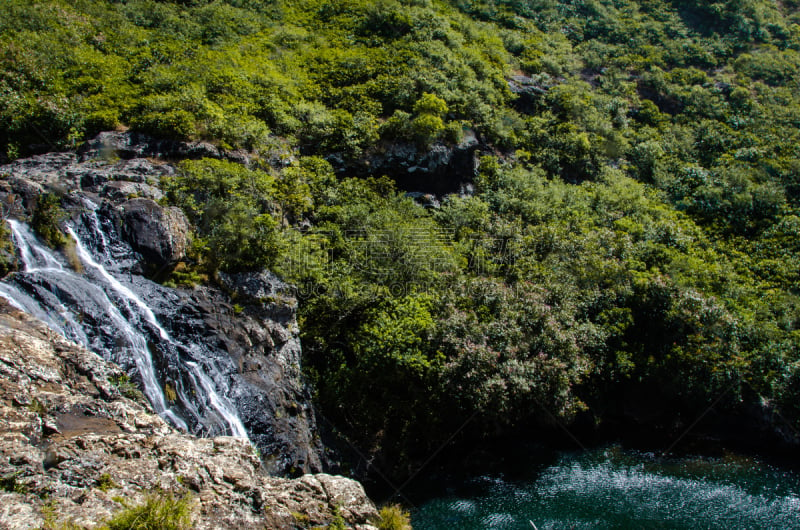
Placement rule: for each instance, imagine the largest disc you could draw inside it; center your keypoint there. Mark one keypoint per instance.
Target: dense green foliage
(634, 230)
(7, 250)
(229, 207)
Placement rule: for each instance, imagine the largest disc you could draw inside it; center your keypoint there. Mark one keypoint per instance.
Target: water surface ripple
(614, 488)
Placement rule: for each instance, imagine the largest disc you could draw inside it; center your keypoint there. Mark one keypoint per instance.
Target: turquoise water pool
(615, 488)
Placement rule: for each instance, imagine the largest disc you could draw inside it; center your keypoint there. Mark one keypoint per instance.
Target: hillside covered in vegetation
(631, 240)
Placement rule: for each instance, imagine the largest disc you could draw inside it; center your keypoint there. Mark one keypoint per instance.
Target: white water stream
(122, 310)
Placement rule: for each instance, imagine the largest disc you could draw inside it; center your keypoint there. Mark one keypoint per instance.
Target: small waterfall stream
(98, 310)
(40, 261)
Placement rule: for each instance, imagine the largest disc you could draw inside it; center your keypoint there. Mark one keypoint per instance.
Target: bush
(394, 517)
(430, 104)
(426, 128)
(159, 511)
(46, 217)
(7, 257)
(178, 124)
(230, 207)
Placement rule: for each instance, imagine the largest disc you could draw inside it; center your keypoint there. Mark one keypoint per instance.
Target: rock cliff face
(250, 351)
(72, 444)
(438, 169)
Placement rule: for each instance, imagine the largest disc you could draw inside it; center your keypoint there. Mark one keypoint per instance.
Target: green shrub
(105, 482)
(10, 483)
(393, 517)
(127, 387)
(175, 123)
(231, 207)
(430, 104)
(102, 120)
(426, 128)
(159, 511)
(46, 217)
(52, 523)
(7, 257)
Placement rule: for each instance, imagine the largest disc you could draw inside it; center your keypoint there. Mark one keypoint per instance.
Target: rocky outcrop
(259, 339)
(530, 90)
(73, 445)
(161, 235)
(60, 173)
(133, 145)
(439, 169)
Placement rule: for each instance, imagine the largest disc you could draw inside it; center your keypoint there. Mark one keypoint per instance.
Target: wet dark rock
(27, 191)
(243, 337)
(61, 173)
(161, 235)
(256, 353)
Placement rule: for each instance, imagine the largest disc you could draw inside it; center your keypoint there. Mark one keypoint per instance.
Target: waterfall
(35, 257)
(60, 319)
(126, 294)
(107, 316)
(218, 403)
(41, 265)
(208, 394)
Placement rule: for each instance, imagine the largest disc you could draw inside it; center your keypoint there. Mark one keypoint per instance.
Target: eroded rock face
(260, 341)
(69, 435)
(136, 145)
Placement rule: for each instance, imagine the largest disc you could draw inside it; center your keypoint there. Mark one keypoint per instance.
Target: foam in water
(625, 489)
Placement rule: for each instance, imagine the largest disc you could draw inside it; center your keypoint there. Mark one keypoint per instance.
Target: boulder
(161, 235)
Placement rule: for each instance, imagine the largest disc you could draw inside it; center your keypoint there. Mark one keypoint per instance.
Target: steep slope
(623, 250)
(73, 447)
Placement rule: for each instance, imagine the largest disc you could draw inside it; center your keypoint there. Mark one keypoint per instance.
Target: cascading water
(219, 404)
(39, 261)
(107, 316)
